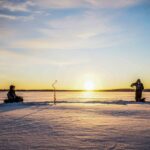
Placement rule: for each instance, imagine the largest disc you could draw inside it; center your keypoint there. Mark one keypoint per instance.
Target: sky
(103, 44)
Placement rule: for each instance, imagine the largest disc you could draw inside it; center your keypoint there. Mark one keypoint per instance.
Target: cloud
(113, 3)
(15, 6)
(24, 59)
(86, 3)
(87, 24)
(6, 32)
(2, 16)
(5, 52)
(22, 18)
(62, 4)
(87, 30)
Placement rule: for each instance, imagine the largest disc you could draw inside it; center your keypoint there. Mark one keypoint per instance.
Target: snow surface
(117, 125)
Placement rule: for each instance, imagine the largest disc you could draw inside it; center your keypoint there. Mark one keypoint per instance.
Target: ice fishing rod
(54, 89)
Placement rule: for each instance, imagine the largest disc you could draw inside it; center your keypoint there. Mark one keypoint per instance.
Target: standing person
(139, 89)
(12, 97)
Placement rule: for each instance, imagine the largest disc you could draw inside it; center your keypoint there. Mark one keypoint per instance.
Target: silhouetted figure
(139, 89)
(12, 97)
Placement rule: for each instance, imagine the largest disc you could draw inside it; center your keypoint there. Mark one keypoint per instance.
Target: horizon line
(81, 90)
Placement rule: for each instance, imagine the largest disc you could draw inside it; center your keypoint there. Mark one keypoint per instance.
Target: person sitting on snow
(139, 89)
(12, 97)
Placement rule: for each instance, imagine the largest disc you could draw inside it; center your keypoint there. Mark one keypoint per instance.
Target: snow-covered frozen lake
(76, 96)
(94, 121)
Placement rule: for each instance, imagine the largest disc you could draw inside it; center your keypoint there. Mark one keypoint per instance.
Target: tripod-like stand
(53, 85)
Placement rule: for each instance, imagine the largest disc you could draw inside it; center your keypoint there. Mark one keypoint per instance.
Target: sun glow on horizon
(89, 85)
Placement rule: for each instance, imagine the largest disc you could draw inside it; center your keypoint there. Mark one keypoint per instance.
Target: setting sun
(89, 85)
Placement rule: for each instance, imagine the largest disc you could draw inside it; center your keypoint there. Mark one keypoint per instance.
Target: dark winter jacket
(139, 86)
(11, 94)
